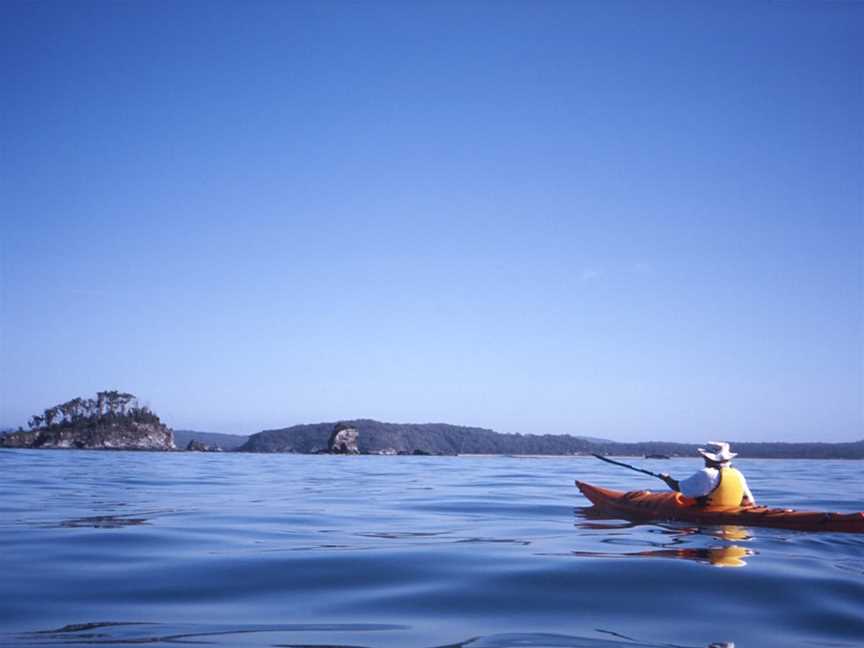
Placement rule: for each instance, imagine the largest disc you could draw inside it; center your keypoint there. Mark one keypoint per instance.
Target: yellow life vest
(730, 489)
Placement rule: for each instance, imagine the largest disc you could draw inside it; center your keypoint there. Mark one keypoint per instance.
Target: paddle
(618, 463)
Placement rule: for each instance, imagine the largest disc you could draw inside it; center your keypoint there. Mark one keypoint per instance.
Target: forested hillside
(442, 438)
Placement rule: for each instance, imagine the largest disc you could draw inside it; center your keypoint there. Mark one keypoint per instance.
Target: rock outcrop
(212, 440)
(343, 440)
(197, 446)
(129, 435)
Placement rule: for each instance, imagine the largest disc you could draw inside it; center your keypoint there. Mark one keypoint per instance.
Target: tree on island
(109, 407)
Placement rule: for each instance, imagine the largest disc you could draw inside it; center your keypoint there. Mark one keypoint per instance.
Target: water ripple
(130, 632)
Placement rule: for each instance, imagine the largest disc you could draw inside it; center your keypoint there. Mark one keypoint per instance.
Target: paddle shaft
(623, 465)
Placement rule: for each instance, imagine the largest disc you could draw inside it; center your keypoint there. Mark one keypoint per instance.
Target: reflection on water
(589, 517)
(667, 541)
(729, 556)
(103, 522)
(729, 532)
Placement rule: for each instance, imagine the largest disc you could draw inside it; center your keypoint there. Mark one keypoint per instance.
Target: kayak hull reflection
(645, 505)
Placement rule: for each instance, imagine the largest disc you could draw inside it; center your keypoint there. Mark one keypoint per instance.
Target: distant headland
(375, 437)
(115, 421)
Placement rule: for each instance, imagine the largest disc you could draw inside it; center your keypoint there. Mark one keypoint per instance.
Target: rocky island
(112, 421)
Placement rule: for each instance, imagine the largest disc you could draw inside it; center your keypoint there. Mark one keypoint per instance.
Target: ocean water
(119, 548)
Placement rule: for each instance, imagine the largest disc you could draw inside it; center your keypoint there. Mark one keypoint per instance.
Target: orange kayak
(645, 505)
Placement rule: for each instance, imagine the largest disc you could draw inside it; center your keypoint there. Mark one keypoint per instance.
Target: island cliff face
(343, 440)
(127, 436)
(112, 421)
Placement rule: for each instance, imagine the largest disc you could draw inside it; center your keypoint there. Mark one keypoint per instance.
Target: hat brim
(715, 457)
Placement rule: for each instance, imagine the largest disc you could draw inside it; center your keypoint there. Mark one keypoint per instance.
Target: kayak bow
(645, 505)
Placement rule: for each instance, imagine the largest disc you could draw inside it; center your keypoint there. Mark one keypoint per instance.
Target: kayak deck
(670, 505)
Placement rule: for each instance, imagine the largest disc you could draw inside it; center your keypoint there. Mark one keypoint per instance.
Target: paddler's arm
(672, 483)
(699, 484)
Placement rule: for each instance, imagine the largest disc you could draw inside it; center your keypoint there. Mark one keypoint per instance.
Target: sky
(633, 220)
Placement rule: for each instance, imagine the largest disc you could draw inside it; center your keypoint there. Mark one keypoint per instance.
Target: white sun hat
(717, 451)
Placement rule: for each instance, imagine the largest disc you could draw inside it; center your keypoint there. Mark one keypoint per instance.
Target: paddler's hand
(672, 483)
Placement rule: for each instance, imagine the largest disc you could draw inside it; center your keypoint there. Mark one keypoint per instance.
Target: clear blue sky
(624, 219)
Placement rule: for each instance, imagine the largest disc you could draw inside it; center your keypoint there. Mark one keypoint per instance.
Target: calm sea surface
(113, 548)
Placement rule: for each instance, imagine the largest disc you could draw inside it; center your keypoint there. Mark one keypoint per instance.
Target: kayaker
(718, 483)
